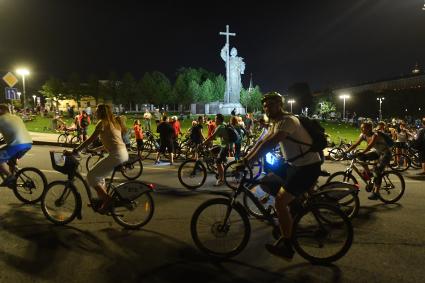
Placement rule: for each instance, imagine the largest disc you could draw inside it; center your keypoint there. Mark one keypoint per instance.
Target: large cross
(227, 34)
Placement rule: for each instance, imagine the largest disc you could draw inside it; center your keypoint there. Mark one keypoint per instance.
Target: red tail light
(151, 186)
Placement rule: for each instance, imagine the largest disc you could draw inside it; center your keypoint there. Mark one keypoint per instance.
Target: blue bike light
(270, 158)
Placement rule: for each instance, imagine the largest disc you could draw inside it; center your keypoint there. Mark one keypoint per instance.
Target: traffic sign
(11, 93)
(10, 79)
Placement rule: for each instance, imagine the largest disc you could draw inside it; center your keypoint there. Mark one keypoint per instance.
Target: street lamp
(380, 99)
(291, 101)
(23, 73)
(34, 96)
(344, 97)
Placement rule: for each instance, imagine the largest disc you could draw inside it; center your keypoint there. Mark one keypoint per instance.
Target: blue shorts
(14, 151)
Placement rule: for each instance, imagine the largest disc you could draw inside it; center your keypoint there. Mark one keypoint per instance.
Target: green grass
(334, 129)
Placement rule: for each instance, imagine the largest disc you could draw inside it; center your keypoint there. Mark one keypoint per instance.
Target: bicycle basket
(63, 164)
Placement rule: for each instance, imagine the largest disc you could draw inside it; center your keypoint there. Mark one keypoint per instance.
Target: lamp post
(291, 101)
(344, 97)
(33, 97)
(23, 73)
(380, 99)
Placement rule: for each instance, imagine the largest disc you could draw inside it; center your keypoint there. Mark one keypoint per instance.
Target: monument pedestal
(226, 108)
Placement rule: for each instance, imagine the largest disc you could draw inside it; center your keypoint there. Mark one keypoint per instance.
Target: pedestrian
(147, 120)
(125, 132)
(138, 133)
(157, 116)
(84, 124)
(196, 138)
(233, 113)
(166, 133)
(419, 144)
(235, 122)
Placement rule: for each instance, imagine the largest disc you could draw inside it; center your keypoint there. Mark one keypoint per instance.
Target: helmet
(272, 96)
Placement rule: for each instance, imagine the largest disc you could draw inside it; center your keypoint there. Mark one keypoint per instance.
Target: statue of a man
(237, 67)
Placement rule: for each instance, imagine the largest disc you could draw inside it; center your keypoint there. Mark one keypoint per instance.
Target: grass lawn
(334, 129)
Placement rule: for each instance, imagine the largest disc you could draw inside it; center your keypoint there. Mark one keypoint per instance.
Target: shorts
(400, 144)
(83, 131)
(297, 180)
(222, 155)
(139, 145)
(14, 151)
(166, 146)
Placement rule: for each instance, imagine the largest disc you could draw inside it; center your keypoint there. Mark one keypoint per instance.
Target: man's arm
(267, 144)
(354, 145)
(371, 144)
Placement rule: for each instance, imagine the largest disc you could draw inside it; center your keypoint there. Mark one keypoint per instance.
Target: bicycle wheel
(341, 176)
(416, 161)
(133, 168)
(30, 185)
(133, 205)
(322, 234)
(336, 154)
(264, 199)
(60, 202)
(147, 149)
(192, 174)
(75, 140)
(343, 198)
(62, 139)
(233, 177)
(217, 236)
(400, 162)
(392, 187)
(92, 160)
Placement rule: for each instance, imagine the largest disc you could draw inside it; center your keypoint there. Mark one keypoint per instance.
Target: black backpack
(84, 122)
(317, 134)
(232, 134)
(388, 140)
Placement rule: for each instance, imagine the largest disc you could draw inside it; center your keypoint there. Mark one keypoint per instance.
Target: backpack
(317, 134)
(84, 122)
(388, 140)
(232, 134)
(419, 142)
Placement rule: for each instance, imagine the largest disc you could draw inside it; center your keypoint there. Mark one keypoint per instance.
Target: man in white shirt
(302, 173)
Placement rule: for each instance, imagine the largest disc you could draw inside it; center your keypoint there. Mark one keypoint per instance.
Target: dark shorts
(14, 151)
(400, 144)
(222, 155)
(83, 131)
(297, 180)
(166, 146)
(139, 145)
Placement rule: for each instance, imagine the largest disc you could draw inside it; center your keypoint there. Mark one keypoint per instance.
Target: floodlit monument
(235, 67)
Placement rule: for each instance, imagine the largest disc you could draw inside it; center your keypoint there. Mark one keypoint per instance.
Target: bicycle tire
(147, 149)
(232, 177)
(342, 176)
(336, 154)
(75, 140)
(348, 202)
(133, 168)
(62, 139)
(302, 225)
(387, 186)
(135, 195)
(26, 185)
(213, 229)
(405, 160)
(187, 172)
(51, 211)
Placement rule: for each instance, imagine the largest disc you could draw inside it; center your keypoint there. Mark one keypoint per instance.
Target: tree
(162, 88)
(127, 90)
(207, 91)
(74, 88)
(93, 87)
(219, 88)
(53, 87)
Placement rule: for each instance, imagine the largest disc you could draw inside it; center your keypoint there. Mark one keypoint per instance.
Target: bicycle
(390, 179)
(65, 136)
(336, 153)
(226, 230)
(30, 182)
(400, 162)
(131, 169)
(193, 173)
(132, 205)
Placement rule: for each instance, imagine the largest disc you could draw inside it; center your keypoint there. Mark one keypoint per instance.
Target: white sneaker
(219, 183)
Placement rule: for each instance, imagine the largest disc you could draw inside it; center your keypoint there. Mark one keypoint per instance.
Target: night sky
(282, 42)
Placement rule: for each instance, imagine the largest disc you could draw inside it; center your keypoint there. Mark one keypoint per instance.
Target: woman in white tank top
(109, 132)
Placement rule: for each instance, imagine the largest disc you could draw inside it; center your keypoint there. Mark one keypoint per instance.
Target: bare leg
(282, 201)
(4, 168)
(220, 169)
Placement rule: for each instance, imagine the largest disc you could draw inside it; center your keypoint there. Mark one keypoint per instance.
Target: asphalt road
(388, 246)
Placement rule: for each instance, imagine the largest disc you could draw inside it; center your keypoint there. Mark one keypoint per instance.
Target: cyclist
(302, 172)
(220, 132)
(109, 131)
(17, 139)
(376, 149)
(196, 136)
